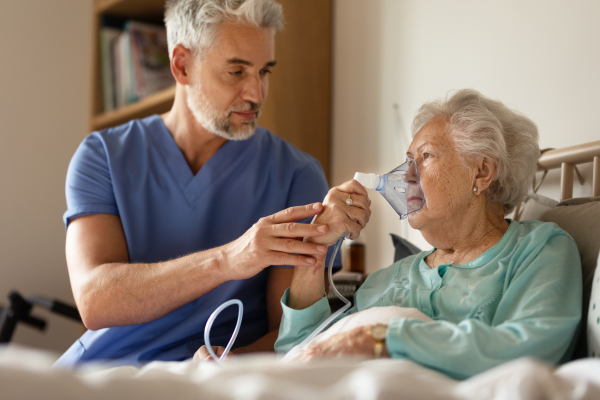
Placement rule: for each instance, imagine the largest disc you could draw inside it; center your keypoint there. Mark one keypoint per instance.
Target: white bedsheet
(26, 374)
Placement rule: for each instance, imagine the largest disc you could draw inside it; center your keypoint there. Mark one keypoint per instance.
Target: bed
(26, 373)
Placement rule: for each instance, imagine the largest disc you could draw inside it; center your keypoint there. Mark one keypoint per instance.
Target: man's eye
(426, 155)
(235, 73)
(265, 71)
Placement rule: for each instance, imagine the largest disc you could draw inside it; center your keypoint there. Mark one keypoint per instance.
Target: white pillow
(593, 322)
(370, 316)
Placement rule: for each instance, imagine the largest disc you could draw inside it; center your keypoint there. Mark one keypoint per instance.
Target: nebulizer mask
(401, 187)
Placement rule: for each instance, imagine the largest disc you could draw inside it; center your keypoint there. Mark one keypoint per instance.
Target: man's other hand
(275, 240)
(203, 355)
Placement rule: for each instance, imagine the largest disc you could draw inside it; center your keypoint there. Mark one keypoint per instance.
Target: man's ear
(486, 173)
(182, 62)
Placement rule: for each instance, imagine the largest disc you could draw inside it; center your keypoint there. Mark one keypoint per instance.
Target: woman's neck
(466, 237)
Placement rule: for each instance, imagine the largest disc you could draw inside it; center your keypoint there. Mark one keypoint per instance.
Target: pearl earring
(475, 189)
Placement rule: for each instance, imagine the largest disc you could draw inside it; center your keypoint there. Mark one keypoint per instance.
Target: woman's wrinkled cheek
(443, 189)
(433, 186)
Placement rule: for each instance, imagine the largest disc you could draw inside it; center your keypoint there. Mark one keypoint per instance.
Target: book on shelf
(135, 62)
(108, 37)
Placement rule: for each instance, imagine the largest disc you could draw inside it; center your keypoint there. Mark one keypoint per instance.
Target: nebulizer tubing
(305, 342)
(210, 322)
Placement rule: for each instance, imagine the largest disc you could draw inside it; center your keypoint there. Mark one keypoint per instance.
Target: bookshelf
(298, 107)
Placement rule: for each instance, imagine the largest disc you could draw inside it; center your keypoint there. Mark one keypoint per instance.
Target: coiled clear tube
(305, 342)
(210, 322)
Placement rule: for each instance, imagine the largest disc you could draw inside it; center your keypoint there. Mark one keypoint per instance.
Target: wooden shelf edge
(163, 98)
(102, 5)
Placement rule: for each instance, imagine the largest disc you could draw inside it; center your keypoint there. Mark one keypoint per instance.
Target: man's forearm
(117, 294)
(109, 291)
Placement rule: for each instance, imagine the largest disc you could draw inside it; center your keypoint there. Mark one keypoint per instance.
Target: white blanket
(26, 374)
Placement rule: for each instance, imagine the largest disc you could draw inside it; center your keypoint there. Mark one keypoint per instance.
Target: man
(170, 216)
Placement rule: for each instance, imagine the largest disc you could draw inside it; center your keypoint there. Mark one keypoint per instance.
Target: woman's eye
(426, 155)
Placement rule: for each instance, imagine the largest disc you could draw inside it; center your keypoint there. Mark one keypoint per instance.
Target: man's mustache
(247, 106)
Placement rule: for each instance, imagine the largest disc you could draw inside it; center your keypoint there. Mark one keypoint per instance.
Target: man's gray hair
(193, 23)
(481, 126)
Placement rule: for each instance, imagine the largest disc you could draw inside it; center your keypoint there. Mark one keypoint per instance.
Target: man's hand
(203, 355)
(275, 240)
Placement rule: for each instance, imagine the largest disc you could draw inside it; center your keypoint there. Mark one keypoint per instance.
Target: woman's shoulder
(543, 250)
(540, 241)
(538, 231)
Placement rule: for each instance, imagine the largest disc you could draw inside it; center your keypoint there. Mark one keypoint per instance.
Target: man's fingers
(219, 350)
(281, 258)
(203, 354)
(297, 230)
(295, 213)
(298, 247)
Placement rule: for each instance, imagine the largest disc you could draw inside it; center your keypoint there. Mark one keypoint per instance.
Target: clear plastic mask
(401, 187)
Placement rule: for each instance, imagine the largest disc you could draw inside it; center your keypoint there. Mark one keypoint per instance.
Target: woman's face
(446, 181)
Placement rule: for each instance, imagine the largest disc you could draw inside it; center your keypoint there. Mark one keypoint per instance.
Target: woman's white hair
(481, 126)
(194, 23)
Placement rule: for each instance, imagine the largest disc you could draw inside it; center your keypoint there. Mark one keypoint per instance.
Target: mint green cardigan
(520, 298)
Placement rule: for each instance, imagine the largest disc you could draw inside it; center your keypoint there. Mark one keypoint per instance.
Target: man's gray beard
(220, 125)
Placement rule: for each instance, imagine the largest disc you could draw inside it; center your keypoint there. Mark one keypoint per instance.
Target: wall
(44, 81)
(540, 57)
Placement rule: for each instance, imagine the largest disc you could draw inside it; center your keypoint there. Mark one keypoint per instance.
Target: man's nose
(253, 90)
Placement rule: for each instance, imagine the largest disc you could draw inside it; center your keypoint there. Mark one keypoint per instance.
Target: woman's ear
(486, 173)
(182, 62)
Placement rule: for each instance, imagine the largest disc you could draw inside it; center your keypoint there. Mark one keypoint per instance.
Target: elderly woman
(491, 290)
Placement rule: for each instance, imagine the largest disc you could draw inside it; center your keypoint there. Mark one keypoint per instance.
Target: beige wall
(539, 56)
(44, 80)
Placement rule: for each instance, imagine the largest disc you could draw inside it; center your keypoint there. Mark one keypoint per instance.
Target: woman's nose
(411, 172)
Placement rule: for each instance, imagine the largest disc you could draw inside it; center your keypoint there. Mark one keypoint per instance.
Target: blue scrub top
(137, 172)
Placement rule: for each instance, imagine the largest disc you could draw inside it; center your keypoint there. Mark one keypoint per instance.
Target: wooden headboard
(566, 159)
